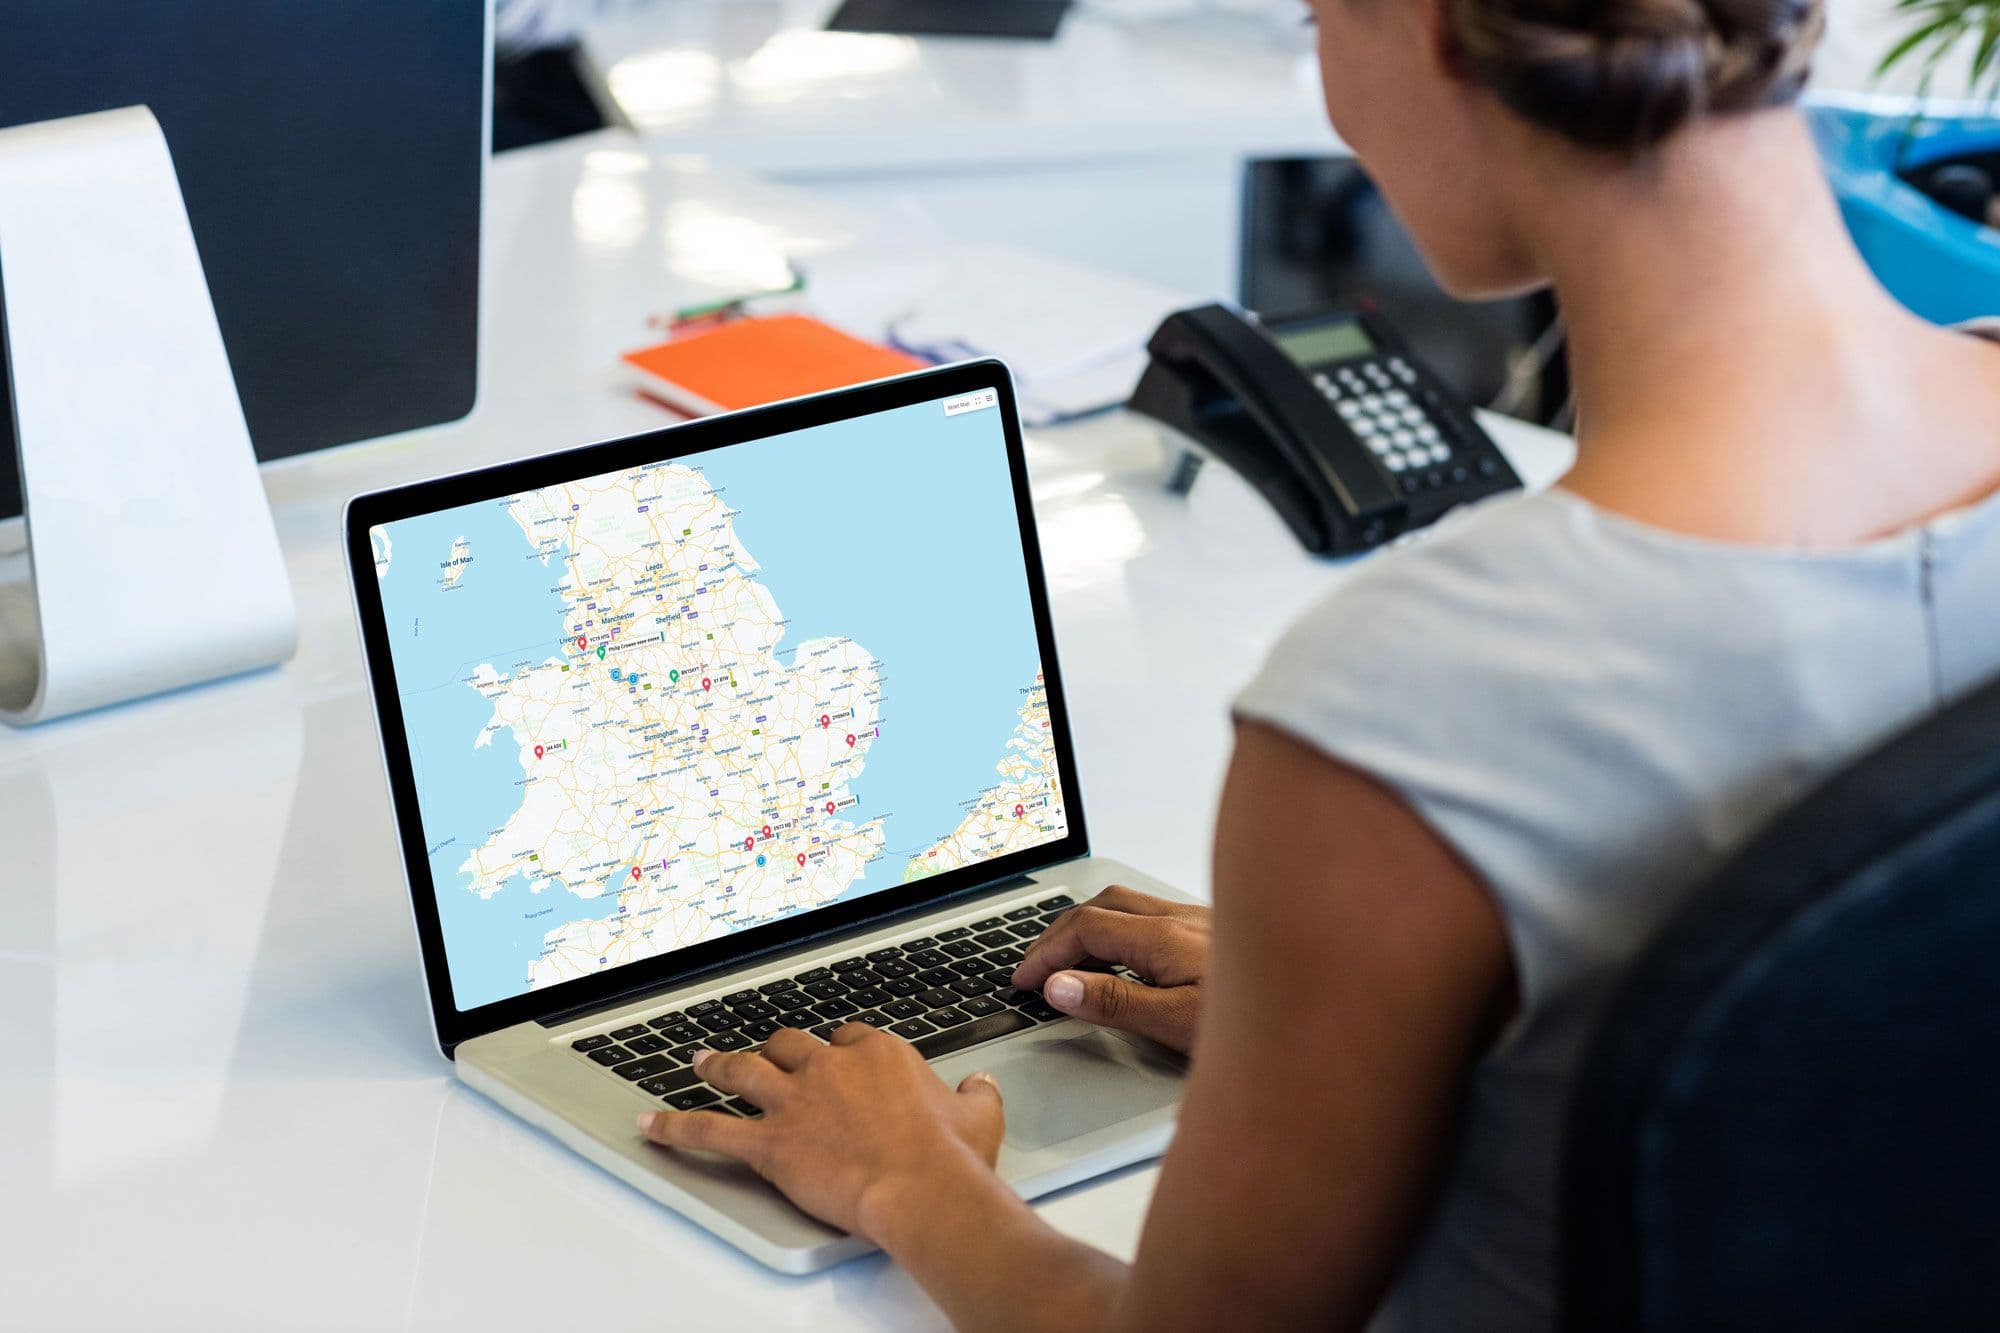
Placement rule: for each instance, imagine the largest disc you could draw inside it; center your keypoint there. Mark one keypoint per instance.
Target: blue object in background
(1943, 266)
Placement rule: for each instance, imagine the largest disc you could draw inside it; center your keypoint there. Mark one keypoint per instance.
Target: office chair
(1789, 1116)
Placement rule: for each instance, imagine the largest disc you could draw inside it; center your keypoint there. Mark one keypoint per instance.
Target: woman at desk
(1472, 784)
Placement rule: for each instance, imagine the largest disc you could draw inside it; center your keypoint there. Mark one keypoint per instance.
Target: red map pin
(767, 830)
(706, 682)
(635, 872)
(538, 752)
(825, 721)
(829, 807)
(802, 858)
(1020, 810)
(850, 742)
(582, 642)
(749, 843)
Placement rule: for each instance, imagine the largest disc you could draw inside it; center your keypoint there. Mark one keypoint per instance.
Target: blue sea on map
(897, 531)
(503, 611)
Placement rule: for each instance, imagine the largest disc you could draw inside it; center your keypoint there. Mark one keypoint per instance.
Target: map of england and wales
(672, 758)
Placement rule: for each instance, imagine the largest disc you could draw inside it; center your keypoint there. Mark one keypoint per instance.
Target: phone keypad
(1374, 399)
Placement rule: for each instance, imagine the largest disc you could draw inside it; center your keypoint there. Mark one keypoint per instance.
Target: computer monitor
(331, 157)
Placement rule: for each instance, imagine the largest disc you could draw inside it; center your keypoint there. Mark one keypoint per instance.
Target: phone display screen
(1318, 344)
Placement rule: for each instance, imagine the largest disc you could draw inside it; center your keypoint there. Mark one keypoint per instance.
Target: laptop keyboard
(942, 992)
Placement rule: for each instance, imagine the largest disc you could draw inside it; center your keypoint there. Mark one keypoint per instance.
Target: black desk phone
(1333, 419)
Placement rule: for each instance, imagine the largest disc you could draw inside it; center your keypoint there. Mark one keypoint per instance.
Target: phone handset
(1225, 384)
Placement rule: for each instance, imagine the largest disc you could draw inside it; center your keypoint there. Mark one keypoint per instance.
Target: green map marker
(673, 677)
(600, 652)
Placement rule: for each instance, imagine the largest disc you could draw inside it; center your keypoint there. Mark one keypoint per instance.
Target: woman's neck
(1739, 373)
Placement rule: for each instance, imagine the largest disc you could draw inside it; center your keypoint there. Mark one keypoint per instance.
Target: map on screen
(662, 705)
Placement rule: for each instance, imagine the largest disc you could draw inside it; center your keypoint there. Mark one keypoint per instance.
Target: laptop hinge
(625, 997)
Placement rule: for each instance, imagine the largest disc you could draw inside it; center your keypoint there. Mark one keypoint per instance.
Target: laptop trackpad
(1056, 1091)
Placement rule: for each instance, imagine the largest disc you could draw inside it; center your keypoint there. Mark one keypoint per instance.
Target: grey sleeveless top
(1594, 714)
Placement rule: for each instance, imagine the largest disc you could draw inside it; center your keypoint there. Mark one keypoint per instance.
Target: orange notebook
(747, 362)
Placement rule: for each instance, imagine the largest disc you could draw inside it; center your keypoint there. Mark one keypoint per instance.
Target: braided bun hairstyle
(1624, 74)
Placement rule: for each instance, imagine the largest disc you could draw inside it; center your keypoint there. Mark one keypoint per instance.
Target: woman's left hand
(848, 1127)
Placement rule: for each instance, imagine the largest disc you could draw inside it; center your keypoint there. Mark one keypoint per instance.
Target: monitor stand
(153, 559)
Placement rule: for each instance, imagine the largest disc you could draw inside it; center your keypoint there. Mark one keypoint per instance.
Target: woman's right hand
(1164, 942)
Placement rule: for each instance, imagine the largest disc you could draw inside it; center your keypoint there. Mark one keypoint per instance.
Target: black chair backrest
(1789, 1117)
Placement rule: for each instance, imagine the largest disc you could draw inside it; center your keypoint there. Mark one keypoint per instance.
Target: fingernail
(646, 1119)
(1064, 991)
(698, 1057)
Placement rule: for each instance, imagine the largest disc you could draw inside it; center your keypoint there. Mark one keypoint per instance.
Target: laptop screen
(658, 706)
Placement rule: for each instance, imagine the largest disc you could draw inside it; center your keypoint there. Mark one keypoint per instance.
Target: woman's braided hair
(1624, 74)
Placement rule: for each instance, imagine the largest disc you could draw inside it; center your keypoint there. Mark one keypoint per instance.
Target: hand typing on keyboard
(858, 1131)
(1164, 942)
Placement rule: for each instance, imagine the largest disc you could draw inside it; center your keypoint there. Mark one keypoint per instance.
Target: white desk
(219, 1102)
(1120, 144)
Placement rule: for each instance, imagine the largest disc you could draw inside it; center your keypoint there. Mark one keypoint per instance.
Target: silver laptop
(750, 722)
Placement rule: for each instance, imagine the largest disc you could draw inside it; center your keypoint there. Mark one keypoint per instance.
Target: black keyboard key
(1008, 958)
(740, 997)
(830, 989)
(1015, 998)
(938, 976)
(950, 1016)
(863, 976)
(693, 1099)
(705, 1007)
(884, 955)
(610, 1055)
(760, 1030)
(748, 1110)
(590, 1043)
(900, 1009)
(936, 996)
(684, 1032)
(871, 1018)
(972, 967)
(773, 987)
(626, 1034)
(1057, 903)
(902, 985)
(868, 997)
(921, 942)
(645, 1067)
(990, 923)
(647, 1044)
(791, 1000)
(913, 1028)
(1041, 1010)
(729, 1041)
(825, 1031)
(971, 1034)
(814, 974)
(751, 1010)
(662, 1084)
(1022, 913)
(1002, 978)
(993, 939)
(962, 948)
(1051, 918)
(1027, 930)
(667, 1020)
(956, 933)
(928, 958)
(849, 964)
(972, 986)
(719, 1021)
(834, 1009)
(685, 1054)
(979, 1006)
(895, 967)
